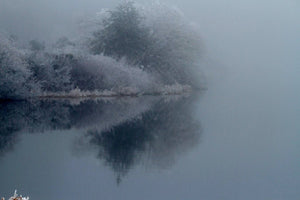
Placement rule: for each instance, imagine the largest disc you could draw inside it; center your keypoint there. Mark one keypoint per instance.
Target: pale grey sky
(238, 33)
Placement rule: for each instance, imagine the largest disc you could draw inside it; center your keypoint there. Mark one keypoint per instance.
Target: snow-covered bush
(15, 79)
(102, 72)
(52, 71)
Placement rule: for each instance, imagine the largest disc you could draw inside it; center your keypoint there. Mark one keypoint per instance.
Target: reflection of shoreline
(175, 89)
(63, 114)
(122, 132)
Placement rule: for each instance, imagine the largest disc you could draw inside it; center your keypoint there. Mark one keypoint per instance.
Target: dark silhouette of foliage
(36, 45)
(122, 34)
(163, 132)
(52, 72)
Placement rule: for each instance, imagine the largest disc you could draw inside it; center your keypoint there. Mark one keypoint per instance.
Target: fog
(250, 112)
(245, 34)
(44, 19)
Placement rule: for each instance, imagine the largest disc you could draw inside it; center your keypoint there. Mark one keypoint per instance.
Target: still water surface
(233, 141)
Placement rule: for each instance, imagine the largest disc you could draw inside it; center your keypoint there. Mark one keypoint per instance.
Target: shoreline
(172, 90)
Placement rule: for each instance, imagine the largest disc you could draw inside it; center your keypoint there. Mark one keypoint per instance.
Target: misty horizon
(150, 100)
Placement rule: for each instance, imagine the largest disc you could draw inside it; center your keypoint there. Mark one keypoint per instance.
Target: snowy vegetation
(15, 81)
(17, 197)
(132, 50)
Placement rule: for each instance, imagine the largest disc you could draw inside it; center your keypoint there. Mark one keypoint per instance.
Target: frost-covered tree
(175, 47)
(121, 34)
(157, 37)
(52, 71)
(15, 79)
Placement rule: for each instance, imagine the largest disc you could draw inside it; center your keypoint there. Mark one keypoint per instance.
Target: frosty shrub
(52, 71)
(14, 74)
(100, 72)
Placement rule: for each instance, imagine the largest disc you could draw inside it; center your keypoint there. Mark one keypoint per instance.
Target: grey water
(233, 141)
(239, 139)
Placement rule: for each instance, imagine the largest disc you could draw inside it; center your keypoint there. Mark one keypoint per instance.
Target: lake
(238, 140)
(232, 141)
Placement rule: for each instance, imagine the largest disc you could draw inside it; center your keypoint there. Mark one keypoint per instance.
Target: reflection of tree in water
(8, 128)
(32, 116)
(121, 145)
(7, 139)
(158, 135)
(43, 115)
(124, 132)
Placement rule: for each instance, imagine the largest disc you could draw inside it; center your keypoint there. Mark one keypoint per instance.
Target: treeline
(131, 47)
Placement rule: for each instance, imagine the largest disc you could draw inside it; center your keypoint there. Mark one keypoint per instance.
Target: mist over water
(246, 146)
